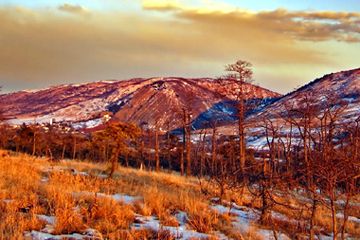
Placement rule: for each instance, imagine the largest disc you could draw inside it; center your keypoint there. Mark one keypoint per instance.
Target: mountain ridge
(157, 101)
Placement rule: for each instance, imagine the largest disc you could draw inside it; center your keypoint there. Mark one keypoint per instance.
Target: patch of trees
(310, 154)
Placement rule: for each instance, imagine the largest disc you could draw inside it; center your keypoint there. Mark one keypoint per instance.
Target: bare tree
(241, 73)
(187, 139)
(302, 116)
(157, 157)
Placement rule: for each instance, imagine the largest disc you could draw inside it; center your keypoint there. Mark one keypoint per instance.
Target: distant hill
(342, 87)
(338, 91)
(155, 101)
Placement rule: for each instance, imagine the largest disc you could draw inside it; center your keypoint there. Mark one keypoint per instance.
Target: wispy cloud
(73, 9)
(160, 5)
(43, 47)
(298, 25)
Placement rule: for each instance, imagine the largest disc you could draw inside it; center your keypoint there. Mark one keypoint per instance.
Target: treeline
(127, 143)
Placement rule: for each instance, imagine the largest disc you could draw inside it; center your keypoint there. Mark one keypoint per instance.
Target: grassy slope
(33, 186)
(67, 190)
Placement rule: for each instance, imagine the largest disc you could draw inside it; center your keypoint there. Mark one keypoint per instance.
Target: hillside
(77, 200)
(334, 97)
(156, 101)
(341, 87)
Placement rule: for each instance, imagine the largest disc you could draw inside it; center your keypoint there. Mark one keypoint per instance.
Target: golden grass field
(81, 199)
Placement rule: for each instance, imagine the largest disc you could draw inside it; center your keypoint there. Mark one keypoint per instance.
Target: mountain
(155, 101)
(337, 91)
(335, 88)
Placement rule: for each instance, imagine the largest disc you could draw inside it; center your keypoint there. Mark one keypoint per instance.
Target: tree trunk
(63, 151)
(157, 158)
(241, 129)
(312, 219)
(213, 149)
(181, 161)
(333, 218)
(346, 216)
(34, 145)
(114, 161)
(74, 148)
(127, 159)
(188, 147)
(265, 213)
(168, 152)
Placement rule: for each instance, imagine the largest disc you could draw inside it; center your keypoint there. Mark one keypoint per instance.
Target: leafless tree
(187, 139)
(241, 73)
(157, 157)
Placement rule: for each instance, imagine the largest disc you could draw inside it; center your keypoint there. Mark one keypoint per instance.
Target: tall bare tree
(241, 73)
(187, 139)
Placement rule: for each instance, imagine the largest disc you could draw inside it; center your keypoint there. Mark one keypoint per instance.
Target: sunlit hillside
(41, 199)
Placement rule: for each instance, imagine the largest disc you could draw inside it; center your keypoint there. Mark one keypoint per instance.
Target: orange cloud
(299, 25)
(160, 5)
(39, 48)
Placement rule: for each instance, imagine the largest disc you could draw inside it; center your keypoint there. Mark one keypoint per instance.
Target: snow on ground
(36, 235)
(116, 197)
(88, 234)
(181, 232)
(50, 223)
(143, 222)
(152, 222)
(245, 217)
(88, 124)
(48, 219)
(350, 218)
(62, 169)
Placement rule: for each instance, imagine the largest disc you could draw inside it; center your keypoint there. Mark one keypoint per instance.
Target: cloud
(42, 47)
(182, 5)
(315, 26)
(73, 9)
(298, 25)
(160, 5)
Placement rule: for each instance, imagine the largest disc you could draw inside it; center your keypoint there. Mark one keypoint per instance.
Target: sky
(44, 43)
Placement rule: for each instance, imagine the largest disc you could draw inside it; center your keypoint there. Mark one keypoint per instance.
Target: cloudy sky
(44, 43)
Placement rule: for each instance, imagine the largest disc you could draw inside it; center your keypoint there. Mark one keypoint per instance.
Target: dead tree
(187, 139)
(241, 74)
(302, 117)
(213, 146)
(157, 157)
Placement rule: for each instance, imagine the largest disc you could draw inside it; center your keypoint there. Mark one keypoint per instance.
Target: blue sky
(335, 5)
(92, 4)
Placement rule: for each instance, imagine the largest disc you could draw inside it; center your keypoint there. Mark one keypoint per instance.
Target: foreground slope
(156, 101)
(40, 199)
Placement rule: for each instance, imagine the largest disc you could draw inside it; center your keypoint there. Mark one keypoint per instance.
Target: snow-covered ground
(245, 218)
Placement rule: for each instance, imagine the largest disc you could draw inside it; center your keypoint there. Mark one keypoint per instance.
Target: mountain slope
(156, 101)
(342, 87)
(336, 93)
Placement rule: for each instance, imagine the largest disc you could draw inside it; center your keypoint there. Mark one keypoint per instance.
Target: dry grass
(107, 216)
(40, 187)
(20, 202)
(32, 186)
